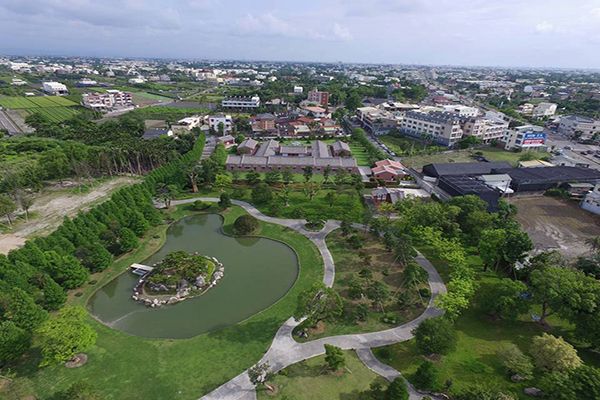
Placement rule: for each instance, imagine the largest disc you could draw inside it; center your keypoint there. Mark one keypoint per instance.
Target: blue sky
(536, 33)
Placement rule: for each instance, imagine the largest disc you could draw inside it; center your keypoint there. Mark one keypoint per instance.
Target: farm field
(55, 114)
(35, 102)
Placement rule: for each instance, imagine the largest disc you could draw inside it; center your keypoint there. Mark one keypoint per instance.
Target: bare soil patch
(556, 224)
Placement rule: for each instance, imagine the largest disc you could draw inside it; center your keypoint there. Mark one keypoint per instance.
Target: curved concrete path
(285, 350)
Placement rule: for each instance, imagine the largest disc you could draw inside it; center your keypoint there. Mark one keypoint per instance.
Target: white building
(526, 137)
(591, 201)
(298, 89)
(55, 88)
(544, 110)
(484, 128)
(215, 120)
(186, 124)
(111, 100)
(462, 111)
(87, 82)
(135, 81)
(18, 82)
(585, 127)
(241, 102)
(442, 127)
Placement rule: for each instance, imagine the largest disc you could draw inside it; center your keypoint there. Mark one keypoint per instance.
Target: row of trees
(34, 278)
(374, 153)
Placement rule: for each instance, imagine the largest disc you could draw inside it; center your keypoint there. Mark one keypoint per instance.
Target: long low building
(270, 155)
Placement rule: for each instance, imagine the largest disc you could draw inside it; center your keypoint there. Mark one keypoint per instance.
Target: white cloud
(545, 27)
(596, 12)
(269, 25)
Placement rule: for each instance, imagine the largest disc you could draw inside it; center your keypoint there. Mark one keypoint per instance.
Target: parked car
(568, 148)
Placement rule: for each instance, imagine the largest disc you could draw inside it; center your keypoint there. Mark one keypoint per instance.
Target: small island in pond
(178, 277)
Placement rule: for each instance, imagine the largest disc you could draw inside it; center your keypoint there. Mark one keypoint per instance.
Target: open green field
(361, 155)
(35, 102)
(55, 114)
(125, 366)
(310, 380)
(491, 153)
(474, 361)
(150, 96)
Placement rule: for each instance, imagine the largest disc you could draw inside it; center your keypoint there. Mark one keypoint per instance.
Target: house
(591, 201)
(241, 102)
(227, 140)
(565, 161)
(389, 170)
(578, 189)
(341, 149)
(248, 146)
(185, 125)
(386, 195)
(55, 88)
(214, 121)
(263, 124)
(317, 112)
(111, 100)
(298, 89)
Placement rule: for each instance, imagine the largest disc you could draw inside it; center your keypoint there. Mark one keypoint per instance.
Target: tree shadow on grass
(247, 332)
(29, 365)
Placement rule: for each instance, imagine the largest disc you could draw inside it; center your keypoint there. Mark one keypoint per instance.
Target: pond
(258, 272)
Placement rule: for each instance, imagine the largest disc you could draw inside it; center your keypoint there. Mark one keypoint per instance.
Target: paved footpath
(285, 350)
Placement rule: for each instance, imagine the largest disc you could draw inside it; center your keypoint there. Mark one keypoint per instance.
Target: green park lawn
(310, 380)
(384, 268)
(126, 366)
(474, 361)
(492, 153)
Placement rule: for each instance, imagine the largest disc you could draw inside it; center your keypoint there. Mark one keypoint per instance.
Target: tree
(317, 304)
(426, 377)
(14, 342)
(379, 292)
(330, 198)
(273, 177)
(516, 246)
(261, 374)
(341, 177)
(514, 361)
(310, 189)
(222, 181)
(245, 224)
(66, 270)
(224, 200)
(503, 299)
(403, 248)
(353, 101)
(81, 390)
(308, 173)
(261, 194)
(128, 240)
(334, 357)
(166, 193)
(491, 243)
(346, 227)
(54, 295)
(397, 390)
(435, 336)
(18, 307)
(7, 207)
(582, 383)
(65, 336)
(252, 178)
(55, 163)
(26, 203)
(386, 209)
(287, 175)
(554, 354)
(326, 174)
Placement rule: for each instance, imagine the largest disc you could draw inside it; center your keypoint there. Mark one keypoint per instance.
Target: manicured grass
(480, 337)
(310, 380)
(125, 366)
(361, 155)
(385, 268)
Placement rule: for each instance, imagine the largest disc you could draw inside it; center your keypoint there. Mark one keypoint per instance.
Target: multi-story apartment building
(55, 88)
(544, 110)
(241, 102)
(462, 111)
(376, 121)
(442, 127)
(185, 125)
(263, 123)
(526, 137)
(583, 127)
(322, 98)
(215, 120)
(484, 128)
(111, 100)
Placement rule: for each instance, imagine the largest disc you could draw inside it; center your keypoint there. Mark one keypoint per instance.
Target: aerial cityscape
(380, 200)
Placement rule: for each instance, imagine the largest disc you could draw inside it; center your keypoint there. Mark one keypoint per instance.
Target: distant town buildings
(111, 100)
(322, 98)
(185, 125)
(241, 102)
(462, 111)
(55, 88)
(18, 82)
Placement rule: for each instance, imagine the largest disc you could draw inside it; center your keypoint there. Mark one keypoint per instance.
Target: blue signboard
(535, 136)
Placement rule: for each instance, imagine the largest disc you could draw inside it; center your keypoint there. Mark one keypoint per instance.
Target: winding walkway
(285, 350)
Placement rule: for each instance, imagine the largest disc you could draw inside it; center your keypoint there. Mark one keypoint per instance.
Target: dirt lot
(557, 225)
(52, 206)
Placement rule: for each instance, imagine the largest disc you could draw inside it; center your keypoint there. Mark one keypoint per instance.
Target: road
(7, 123)
(560, 141)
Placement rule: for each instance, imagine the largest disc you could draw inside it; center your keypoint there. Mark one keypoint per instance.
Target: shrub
(261, 194)
(435, 336)
(426, 377)
(554, 354)
(245, 225)
(384, 353)
(425, 293)
(354, 241)
(238, 194)
(225, 200)
(503, 299)
(200, 205)
(514, 361)
(397, 390)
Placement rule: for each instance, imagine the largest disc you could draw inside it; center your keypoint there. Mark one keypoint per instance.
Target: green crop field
(54, 114)
(18, 103)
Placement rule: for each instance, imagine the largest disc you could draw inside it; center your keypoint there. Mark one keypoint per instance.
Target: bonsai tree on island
(261, 375)
(65, 336)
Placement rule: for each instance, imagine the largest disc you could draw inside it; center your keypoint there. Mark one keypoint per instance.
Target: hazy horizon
(468, 33)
